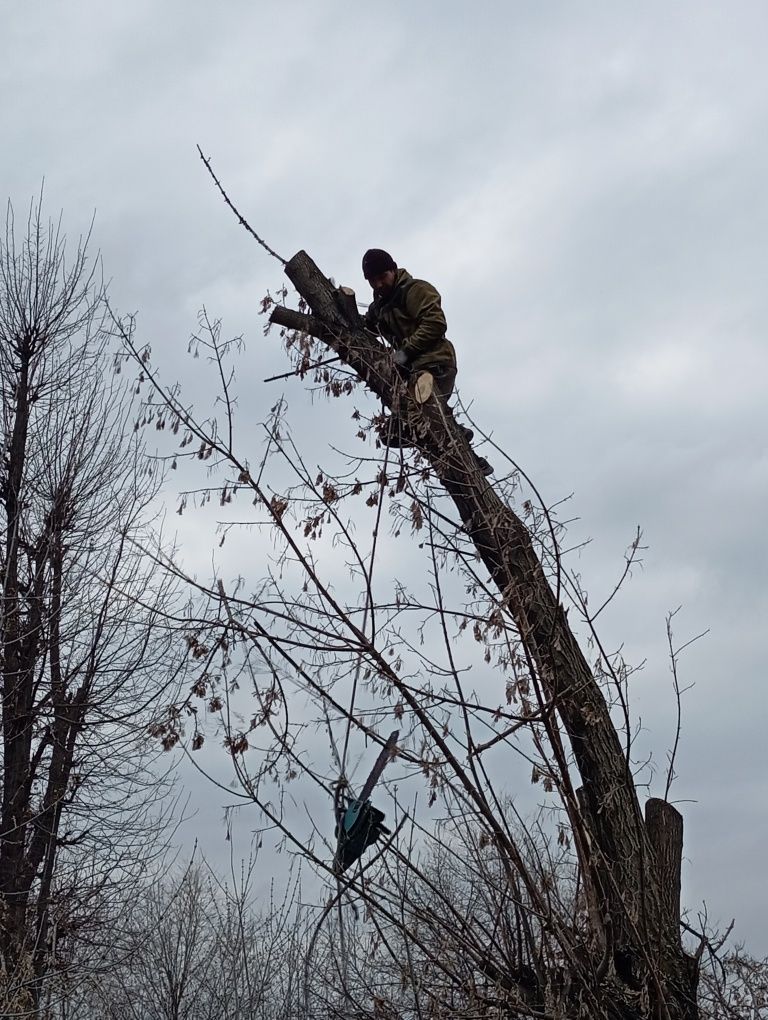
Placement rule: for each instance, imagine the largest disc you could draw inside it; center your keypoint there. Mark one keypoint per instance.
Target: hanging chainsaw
(358, 823)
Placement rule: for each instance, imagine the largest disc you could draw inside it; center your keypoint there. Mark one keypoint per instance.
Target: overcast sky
(584, 183)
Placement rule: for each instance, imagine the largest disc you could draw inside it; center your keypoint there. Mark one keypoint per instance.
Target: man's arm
(423, 305)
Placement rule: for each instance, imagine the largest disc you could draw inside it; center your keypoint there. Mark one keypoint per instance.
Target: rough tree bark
(634, 863)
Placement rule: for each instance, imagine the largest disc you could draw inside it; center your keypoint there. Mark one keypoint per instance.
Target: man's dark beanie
(376, 262)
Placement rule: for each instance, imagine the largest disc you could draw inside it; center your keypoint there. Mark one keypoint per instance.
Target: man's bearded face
(383, 284)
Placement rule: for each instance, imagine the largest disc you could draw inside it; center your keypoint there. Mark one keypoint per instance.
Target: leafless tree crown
(84, 645)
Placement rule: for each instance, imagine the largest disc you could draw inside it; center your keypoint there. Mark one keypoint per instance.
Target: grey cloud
(586, 187)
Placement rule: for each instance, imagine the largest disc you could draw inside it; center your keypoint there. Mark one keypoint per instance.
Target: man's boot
(482, 463)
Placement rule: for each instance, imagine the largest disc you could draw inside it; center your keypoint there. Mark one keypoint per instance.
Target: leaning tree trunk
(633, 865)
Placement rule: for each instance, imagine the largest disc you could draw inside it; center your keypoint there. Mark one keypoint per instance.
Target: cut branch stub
(345, 298)
(664, 825)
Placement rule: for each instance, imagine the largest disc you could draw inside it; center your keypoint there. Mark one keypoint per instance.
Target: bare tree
(83, 641)
(578, 913)
(734, 985)
(195, 947)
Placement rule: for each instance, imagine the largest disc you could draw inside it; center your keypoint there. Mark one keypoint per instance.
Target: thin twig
(241, 219)
(299, 371)
(674, 653)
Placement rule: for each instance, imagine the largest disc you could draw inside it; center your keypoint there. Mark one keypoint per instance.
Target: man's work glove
(401, 359)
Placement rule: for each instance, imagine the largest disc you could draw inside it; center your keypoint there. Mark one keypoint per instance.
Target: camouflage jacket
(411, 319)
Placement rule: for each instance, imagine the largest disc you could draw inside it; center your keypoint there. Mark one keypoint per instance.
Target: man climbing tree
(409, 315)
